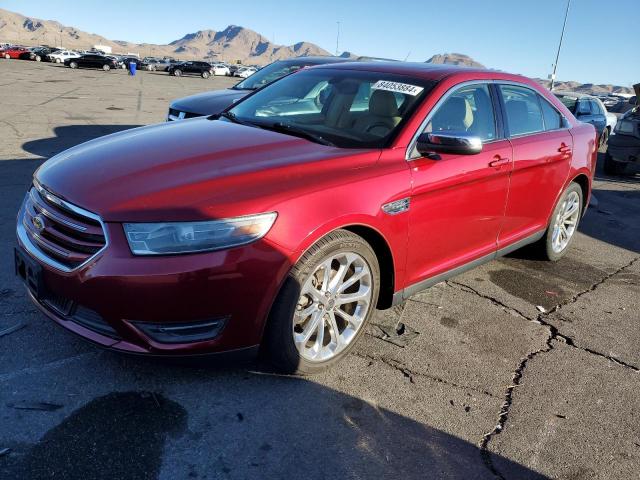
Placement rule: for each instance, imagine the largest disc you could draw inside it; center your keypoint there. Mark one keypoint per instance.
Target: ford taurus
(281, 224)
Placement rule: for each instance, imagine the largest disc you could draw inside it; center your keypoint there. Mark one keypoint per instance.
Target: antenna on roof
(555, 65)
(405, 58)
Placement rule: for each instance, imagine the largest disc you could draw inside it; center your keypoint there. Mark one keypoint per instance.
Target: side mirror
(457, 143)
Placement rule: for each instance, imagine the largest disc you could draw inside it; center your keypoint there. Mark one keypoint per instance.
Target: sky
(518, 36)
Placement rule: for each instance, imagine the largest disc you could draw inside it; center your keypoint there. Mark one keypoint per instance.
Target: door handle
(499, 161)
(564, 148)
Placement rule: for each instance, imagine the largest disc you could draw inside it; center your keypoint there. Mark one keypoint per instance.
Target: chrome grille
(57, 232)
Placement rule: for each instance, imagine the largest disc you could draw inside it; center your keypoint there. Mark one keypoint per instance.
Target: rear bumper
(624, 148)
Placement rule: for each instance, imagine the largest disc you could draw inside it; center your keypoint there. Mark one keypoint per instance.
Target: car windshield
(267, 75)
(345, 108)
(569, 102)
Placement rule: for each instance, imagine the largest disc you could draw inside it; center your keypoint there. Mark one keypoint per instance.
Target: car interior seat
(383, 114)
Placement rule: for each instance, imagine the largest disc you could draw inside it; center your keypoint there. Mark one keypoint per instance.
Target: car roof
(314, 60)
(425, 70)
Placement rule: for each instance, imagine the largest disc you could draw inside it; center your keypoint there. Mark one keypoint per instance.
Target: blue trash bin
(132, 68)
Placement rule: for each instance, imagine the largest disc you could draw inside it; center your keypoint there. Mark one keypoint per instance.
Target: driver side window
(468, 110)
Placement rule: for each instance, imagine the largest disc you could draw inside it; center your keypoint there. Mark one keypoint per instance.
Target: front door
(458, 201)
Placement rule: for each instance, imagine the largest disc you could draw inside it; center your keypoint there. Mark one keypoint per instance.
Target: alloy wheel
(566, 222)
(333, 304)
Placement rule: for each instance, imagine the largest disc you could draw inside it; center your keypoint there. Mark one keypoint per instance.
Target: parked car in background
(61, 55)
(92, 61)
(151, 64)
(246, 72)
(210, 103)
(39, 54)
(190, 68)
(220, 69)
(186, 240)
(15, 52)
(588, 109)
(624, 145)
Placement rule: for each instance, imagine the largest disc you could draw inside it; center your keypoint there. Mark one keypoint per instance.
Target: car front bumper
(112, 299)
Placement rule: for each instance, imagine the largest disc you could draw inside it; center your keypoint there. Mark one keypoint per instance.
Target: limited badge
(397, 87)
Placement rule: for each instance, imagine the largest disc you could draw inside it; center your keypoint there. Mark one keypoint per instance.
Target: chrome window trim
(454, 88)
(36, 252)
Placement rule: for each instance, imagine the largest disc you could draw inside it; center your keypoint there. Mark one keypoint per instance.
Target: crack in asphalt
(466, 288)
(410, 374)
(554, 335)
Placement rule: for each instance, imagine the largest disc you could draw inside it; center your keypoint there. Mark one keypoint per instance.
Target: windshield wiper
(233, 118)
(298, 132)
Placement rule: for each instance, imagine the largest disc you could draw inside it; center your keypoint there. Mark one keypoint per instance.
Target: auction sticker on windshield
(405, 88)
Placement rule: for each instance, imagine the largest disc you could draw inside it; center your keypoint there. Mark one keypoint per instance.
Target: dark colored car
(588, 109)
(223, 234)
(190, 68)
(624, 145)
(210, 103)
(92, 61)
(39, 54)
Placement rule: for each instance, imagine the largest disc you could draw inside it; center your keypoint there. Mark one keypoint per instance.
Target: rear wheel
(106, 68)
(38, 58)
(177, 72)
(604, 138)
(324, 305)
(7, 56)
(612, 167)
(58, 60)
(563, 225)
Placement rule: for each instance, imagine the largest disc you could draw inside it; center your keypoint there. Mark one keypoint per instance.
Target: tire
(545, 247)
(7, 56)
(38, 58)
(177, 72)
(604, 138)
(205, 74)
(342, 248)
(73, 65)
(106, 68)
(58, 60)
(612, 167)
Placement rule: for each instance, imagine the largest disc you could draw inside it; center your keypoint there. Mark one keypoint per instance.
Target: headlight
(191, 237)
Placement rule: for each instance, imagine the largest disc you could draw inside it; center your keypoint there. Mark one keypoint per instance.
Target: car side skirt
(402, 295)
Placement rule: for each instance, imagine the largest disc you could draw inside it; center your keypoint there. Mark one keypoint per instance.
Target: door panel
(541, 164)
(457, 209)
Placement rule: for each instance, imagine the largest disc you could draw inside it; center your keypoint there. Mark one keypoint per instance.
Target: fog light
(183, 332)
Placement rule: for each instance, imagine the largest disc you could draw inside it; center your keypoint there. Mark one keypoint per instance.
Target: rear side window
(522, 106)
(595, 107)
(552, 119)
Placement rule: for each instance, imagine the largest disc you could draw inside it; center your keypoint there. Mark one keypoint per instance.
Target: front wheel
(205, 74)
(38, 58)
(58, 60)
(73, 65)
(7, 56)
(177, 72)
(604, 138)
(106, 68)
(563, 224)
(324, 305)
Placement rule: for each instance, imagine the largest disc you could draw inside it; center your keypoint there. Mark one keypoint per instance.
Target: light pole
(555, 65)
(337, 38)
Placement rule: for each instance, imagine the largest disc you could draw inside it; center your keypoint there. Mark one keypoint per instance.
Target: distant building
(102, 48)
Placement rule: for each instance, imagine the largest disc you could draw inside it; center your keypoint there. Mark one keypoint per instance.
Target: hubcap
(565, 222)
(333, 303)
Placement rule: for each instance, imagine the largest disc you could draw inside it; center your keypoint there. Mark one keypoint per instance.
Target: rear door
(458, 201)
(542, 147)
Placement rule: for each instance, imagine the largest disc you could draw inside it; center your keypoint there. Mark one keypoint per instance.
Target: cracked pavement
(521, 369)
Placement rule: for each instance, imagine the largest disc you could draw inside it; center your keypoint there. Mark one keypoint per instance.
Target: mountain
(455, 59)
(231, 44)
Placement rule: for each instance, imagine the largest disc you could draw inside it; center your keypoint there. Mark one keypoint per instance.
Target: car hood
(189, 170)
(209, 103)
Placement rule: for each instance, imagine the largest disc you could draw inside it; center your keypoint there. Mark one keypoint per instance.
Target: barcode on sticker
(405, 88)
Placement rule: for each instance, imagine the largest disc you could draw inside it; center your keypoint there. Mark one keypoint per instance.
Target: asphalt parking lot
(519, 370)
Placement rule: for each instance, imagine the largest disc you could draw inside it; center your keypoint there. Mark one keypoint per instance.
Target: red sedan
(285, 221)
(14, 52)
